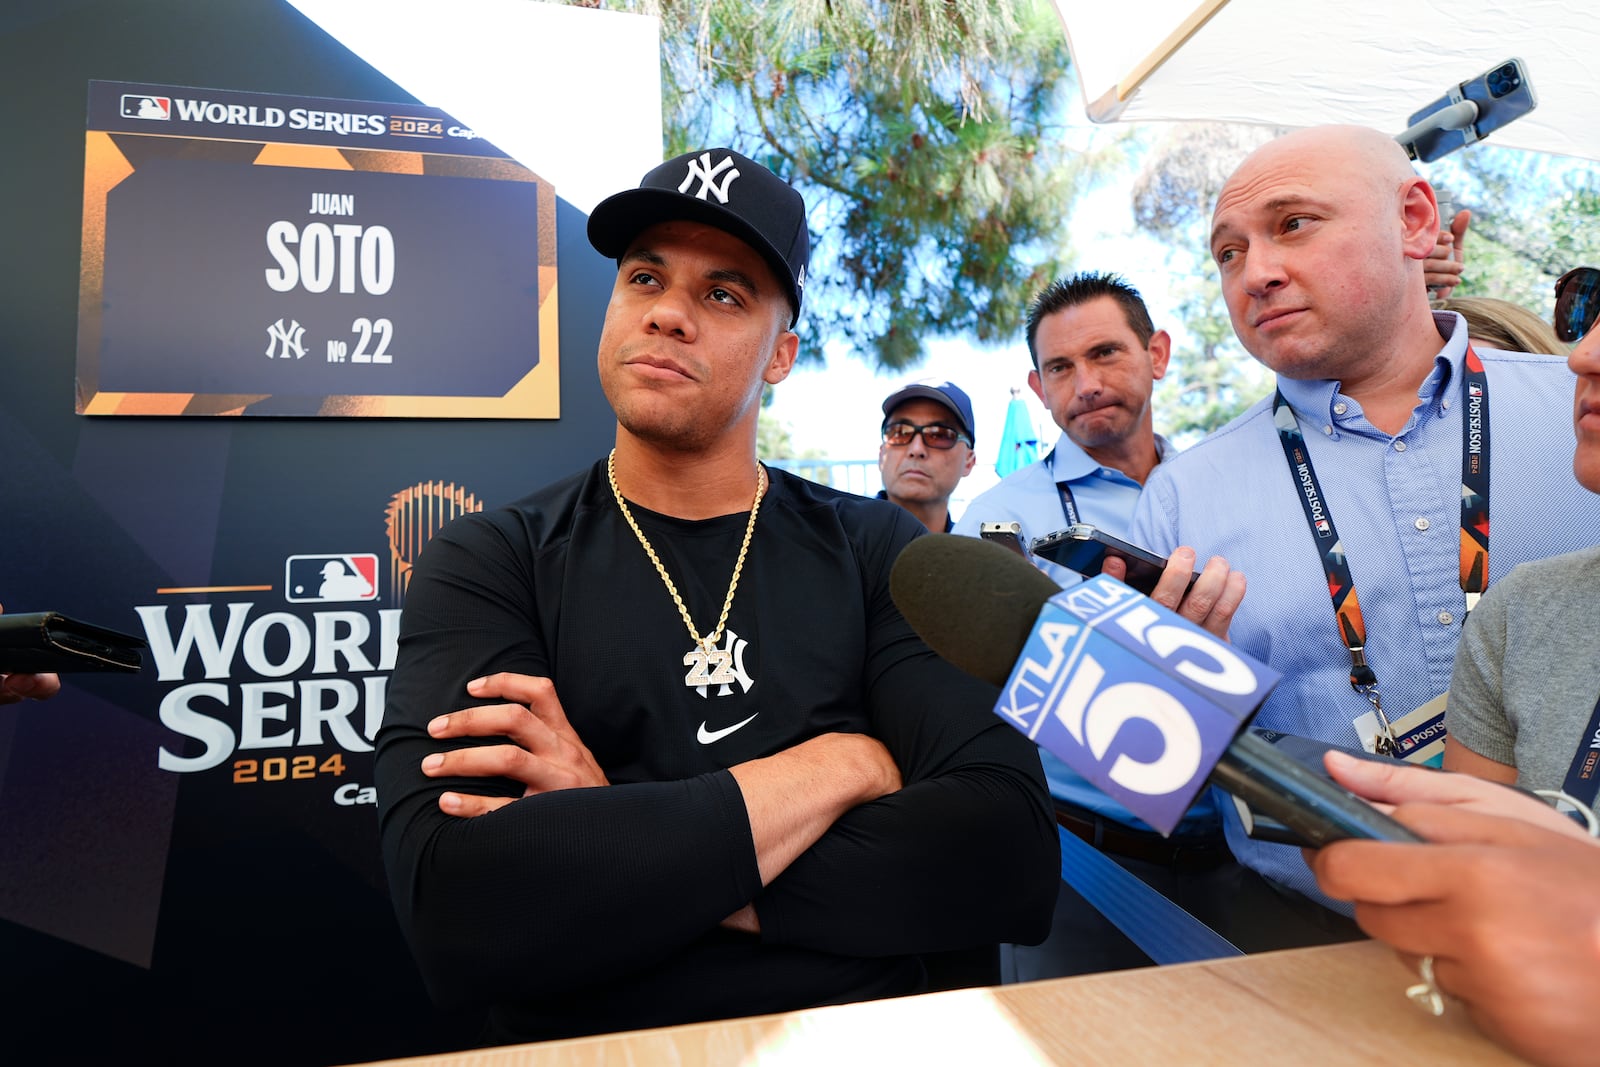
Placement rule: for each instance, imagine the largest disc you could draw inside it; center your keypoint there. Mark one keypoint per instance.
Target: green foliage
(1534, 216)
(1210, 378)
(775, 439)
(925, 134)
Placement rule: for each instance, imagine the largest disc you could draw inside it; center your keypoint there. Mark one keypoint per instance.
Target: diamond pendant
(708, 666)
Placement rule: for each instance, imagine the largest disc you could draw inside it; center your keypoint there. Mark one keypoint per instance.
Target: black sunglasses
(1577, 302)
(934, 435)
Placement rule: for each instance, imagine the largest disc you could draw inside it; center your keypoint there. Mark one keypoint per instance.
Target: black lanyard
(1583, 777)
(1341, 584)
(1069, 506)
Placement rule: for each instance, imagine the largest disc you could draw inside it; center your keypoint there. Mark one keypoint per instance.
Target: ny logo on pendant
(718, 666)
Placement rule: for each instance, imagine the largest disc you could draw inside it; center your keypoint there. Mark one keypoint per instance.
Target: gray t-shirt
(1527, 671)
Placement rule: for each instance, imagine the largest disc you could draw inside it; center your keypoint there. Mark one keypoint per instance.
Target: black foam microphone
(976, 604)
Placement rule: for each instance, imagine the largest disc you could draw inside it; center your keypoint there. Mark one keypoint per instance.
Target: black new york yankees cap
(720, 188)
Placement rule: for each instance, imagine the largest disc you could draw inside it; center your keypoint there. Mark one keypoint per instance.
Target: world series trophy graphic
(413, 516)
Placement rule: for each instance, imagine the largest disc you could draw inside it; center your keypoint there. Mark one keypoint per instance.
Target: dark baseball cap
(947, 393)
(720, 188)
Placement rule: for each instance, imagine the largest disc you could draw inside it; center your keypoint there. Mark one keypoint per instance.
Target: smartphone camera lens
(1504, 80)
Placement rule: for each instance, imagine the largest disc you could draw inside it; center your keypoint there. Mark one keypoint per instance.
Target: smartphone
(1502, 94)
(1284, 794)
(1005, 533)
(1084, 549)
(1307, 752)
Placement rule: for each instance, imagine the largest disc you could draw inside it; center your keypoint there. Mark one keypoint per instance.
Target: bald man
(1369, 471)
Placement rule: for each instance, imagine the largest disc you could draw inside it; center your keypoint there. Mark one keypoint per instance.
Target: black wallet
(49, 642)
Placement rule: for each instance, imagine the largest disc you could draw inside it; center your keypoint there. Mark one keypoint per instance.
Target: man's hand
(19, 687)
(543, 751)
(1216, 595)
(1442, 270)
(15, 688)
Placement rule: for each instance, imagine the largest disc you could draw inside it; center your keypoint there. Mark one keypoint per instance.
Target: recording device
(1448, 208)
(48, 642)
(1008, 534)
(1307, 752)
(1142, 703)
(1084, 549)
(1470, 112)
(1447, 214)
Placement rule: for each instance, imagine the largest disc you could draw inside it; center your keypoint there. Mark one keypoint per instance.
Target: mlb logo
(1474, 389)
(140, 106)
(330, 579)
(1323, 529)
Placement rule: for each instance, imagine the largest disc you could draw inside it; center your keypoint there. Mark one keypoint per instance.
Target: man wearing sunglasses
(1522, 695)
(926, 449)
(1493, 905)
(1360, 498)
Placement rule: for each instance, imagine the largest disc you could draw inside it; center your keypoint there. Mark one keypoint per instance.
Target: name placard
(256, 254)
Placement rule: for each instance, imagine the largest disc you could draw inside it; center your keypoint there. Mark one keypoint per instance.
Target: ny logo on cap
(701, 168)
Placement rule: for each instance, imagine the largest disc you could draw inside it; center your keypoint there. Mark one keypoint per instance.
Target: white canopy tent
(572, 94)
(1371, 62)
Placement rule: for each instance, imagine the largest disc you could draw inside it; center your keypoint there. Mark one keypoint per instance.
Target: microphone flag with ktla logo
(1084, 688)
(1139, 701)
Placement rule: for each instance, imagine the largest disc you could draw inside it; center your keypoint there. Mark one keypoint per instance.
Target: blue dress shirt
(1104, 498)
(1396, 501)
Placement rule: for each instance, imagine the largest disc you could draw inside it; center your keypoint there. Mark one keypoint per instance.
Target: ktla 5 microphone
(1136, 699)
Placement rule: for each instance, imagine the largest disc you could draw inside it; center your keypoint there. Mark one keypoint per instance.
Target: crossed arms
(520, 866)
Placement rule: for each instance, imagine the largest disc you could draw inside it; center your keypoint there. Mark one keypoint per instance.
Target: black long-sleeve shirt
(587, 910)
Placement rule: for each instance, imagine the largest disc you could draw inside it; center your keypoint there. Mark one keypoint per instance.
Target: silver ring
(1426, 994)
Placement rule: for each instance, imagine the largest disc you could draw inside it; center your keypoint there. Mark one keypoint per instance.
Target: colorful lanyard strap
(1341, 584)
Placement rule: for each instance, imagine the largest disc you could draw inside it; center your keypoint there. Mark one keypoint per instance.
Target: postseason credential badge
(254, 254)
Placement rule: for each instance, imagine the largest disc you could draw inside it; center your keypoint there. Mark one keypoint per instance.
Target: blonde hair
(1504, 325)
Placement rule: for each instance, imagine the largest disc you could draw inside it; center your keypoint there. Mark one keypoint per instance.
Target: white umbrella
(1371, 62)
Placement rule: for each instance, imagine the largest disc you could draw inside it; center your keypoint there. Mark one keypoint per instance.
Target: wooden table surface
(1341, 1004)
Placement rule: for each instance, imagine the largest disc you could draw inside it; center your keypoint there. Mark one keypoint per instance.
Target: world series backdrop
(214, 208)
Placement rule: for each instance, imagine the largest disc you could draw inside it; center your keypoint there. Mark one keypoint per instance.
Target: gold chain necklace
(708, 664)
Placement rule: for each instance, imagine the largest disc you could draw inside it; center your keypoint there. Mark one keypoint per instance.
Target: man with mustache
(658, 746)
(927, 449)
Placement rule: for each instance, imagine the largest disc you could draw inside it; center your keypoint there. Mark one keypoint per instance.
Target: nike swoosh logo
(708, 737)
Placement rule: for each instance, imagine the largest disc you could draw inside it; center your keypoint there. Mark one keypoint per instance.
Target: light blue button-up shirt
(1105, 498)
(1396, 501)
